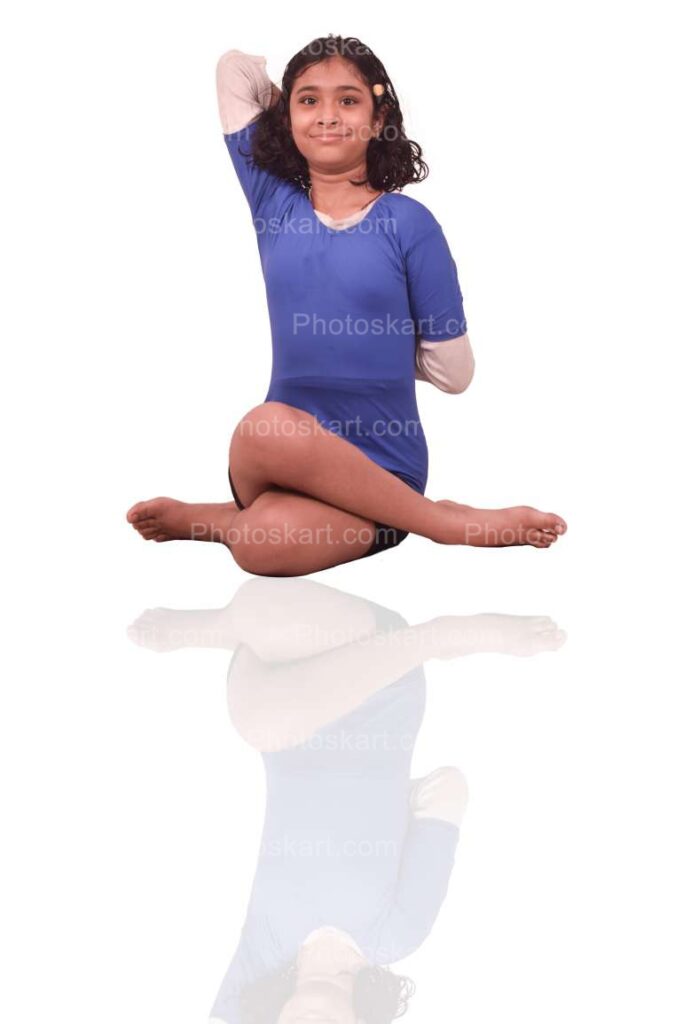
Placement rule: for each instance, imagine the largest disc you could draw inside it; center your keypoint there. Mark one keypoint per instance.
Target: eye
(304, 100)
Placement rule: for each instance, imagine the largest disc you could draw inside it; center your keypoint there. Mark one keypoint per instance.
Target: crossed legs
(312, 500)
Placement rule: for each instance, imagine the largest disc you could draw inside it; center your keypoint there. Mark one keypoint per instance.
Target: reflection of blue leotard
(340, 845)
(345, 307)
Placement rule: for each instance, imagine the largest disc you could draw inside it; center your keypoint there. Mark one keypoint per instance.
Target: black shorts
(385, 536)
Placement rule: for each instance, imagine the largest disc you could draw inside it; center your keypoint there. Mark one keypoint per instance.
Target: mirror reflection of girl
(355, 855)
(364, 299)
(305, 655)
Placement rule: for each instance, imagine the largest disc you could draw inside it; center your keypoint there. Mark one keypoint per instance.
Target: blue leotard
(346, 307)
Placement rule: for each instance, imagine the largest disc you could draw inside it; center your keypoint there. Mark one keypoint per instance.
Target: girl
(364, 298)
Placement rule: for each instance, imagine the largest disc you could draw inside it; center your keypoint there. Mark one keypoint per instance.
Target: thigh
(283, 533)
(270, 424)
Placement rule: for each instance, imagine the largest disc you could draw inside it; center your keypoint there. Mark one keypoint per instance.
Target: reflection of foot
(498, 527)
(442, 794)
(170, 629)
(163, 519)
(490, 633)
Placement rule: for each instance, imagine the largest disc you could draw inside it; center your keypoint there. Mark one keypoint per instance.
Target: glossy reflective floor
(307, 805)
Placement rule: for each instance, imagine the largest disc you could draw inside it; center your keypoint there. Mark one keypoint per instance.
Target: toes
(138, 512)
(132, 513)
(148, 532)
(538, 539)
(146, 524)
(554, 523)
(142, 511)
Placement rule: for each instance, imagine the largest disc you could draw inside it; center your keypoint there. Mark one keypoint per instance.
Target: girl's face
(331, 113)
(322, 1002)
(326, 970)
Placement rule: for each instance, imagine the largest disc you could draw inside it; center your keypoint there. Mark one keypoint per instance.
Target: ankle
(450, 523)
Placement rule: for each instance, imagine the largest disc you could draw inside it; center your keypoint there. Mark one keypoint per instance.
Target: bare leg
(279, 534)
(285, 453)
(276, 444)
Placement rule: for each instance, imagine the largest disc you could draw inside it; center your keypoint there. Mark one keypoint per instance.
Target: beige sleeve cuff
(448, 365)
(244, 89)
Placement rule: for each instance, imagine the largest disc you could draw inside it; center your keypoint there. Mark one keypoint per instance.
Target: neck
(334, 194)
(329, 952)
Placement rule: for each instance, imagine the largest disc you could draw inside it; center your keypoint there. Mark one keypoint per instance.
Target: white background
(135, 336)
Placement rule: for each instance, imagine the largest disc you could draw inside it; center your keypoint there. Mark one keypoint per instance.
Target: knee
(260, 546)
(252, 561)
(271, 425)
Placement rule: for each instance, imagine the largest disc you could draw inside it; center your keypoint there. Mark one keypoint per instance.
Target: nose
(330, 120)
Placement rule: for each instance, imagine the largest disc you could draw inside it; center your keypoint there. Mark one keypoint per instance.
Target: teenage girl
(364, 298)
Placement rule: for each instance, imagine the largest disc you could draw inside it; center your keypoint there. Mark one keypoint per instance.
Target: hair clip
(378, 89)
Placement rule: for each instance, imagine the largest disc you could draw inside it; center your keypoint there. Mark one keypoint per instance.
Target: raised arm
(244, 89)
(244, 92)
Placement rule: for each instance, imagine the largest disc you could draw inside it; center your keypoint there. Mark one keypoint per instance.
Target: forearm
(448, 365)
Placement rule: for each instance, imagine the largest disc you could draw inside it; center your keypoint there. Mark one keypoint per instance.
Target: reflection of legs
(280, 691)
(284, 703)
(278, 445)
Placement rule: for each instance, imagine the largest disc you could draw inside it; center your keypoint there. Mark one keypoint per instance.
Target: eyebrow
(315, 88)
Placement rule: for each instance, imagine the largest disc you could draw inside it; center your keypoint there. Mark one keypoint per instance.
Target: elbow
(447, 364)
(230, 69)
(230, 57)
(458, 385)
(225, 61)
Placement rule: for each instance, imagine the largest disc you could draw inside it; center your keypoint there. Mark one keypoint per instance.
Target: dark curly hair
(392, 159)
(379, 996)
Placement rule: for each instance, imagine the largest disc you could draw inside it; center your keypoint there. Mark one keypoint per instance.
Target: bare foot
(491, 633)
(163, 519)
(498, 527)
